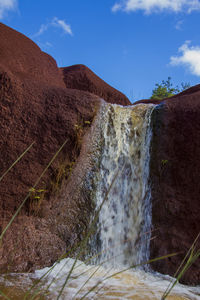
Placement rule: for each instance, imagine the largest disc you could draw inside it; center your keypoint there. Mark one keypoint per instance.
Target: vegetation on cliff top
(165, 89)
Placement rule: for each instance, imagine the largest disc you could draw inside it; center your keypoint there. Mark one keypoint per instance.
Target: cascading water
(123, 229)
(122, 138)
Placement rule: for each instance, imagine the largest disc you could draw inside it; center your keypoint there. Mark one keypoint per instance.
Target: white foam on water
(96, 282)
(132, 284)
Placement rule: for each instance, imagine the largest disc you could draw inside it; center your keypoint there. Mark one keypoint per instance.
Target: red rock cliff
(82, 78)
(175, 176)
(36, 106)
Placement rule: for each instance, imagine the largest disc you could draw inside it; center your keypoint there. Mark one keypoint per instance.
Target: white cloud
(45, 46)
(116, 7)
(6, 5)
(61, 23)
(150, 6)
(42, 29)
(190, 58)
(179, 24)
(54, 23)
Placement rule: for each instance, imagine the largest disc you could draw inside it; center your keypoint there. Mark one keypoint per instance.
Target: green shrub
(165, 89)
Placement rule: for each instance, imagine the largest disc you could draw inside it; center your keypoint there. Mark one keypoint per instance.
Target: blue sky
(131, 44)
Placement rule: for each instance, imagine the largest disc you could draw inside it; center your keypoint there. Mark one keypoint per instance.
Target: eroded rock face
(23, 58)
(36, 107)
(82, 78)
(175, 175)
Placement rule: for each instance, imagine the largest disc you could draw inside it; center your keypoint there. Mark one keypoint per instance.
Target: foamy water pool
(96, 282)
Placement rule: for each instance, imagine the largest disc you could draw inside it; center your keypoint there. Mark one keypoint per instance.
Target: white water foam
(91, 282)
(95, 281)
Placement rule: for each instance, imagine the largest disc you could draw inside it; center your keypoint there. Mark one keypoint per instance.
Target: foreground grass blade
(46, 290)
(4, 295)
(143, 263)
(129, 268)
(49, 270)
(15, 162)
(192, 248)
(85, 240)
(193, 256)
(97, 268)
(101, 287)
(185, 268)
(84, 284)
(28, 195)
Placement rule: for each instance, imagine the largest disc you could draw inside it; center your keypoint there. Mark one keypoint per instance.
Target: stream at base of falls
(94, 282)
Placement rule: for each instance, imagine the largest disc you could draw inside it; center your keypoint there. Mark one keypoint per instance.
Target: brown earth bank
(175, 176)
(36, 107)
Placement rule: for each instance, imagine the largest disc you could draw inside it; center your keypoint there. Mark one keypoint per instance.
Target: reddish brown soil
(82, 78)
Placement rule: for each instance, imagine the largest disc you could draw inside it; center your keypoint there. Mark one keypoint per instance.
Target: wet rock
(175, 176)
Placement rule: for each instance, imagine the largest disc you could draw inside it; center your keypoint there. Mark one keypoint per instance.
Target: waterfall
(117, 161)
(124, 223)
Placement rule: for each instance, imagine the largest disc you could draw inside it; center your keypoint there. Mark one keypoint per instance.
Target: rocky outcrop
(36, 107)
(24, 59)
(47, 106)
(175, 175)
(82, 78)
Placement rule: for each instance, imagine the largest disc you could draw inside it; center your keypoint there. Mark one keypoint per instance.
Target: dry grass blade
(39, 294)
(100, 265)
(46, 290)
(103, 285)
(192, 255)
(16, 161)
(142, 264)
(4, 295)
(129, 268)
(187, 254)
(28, 195)
(85, 240)
(84, 284)
(39, 281)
